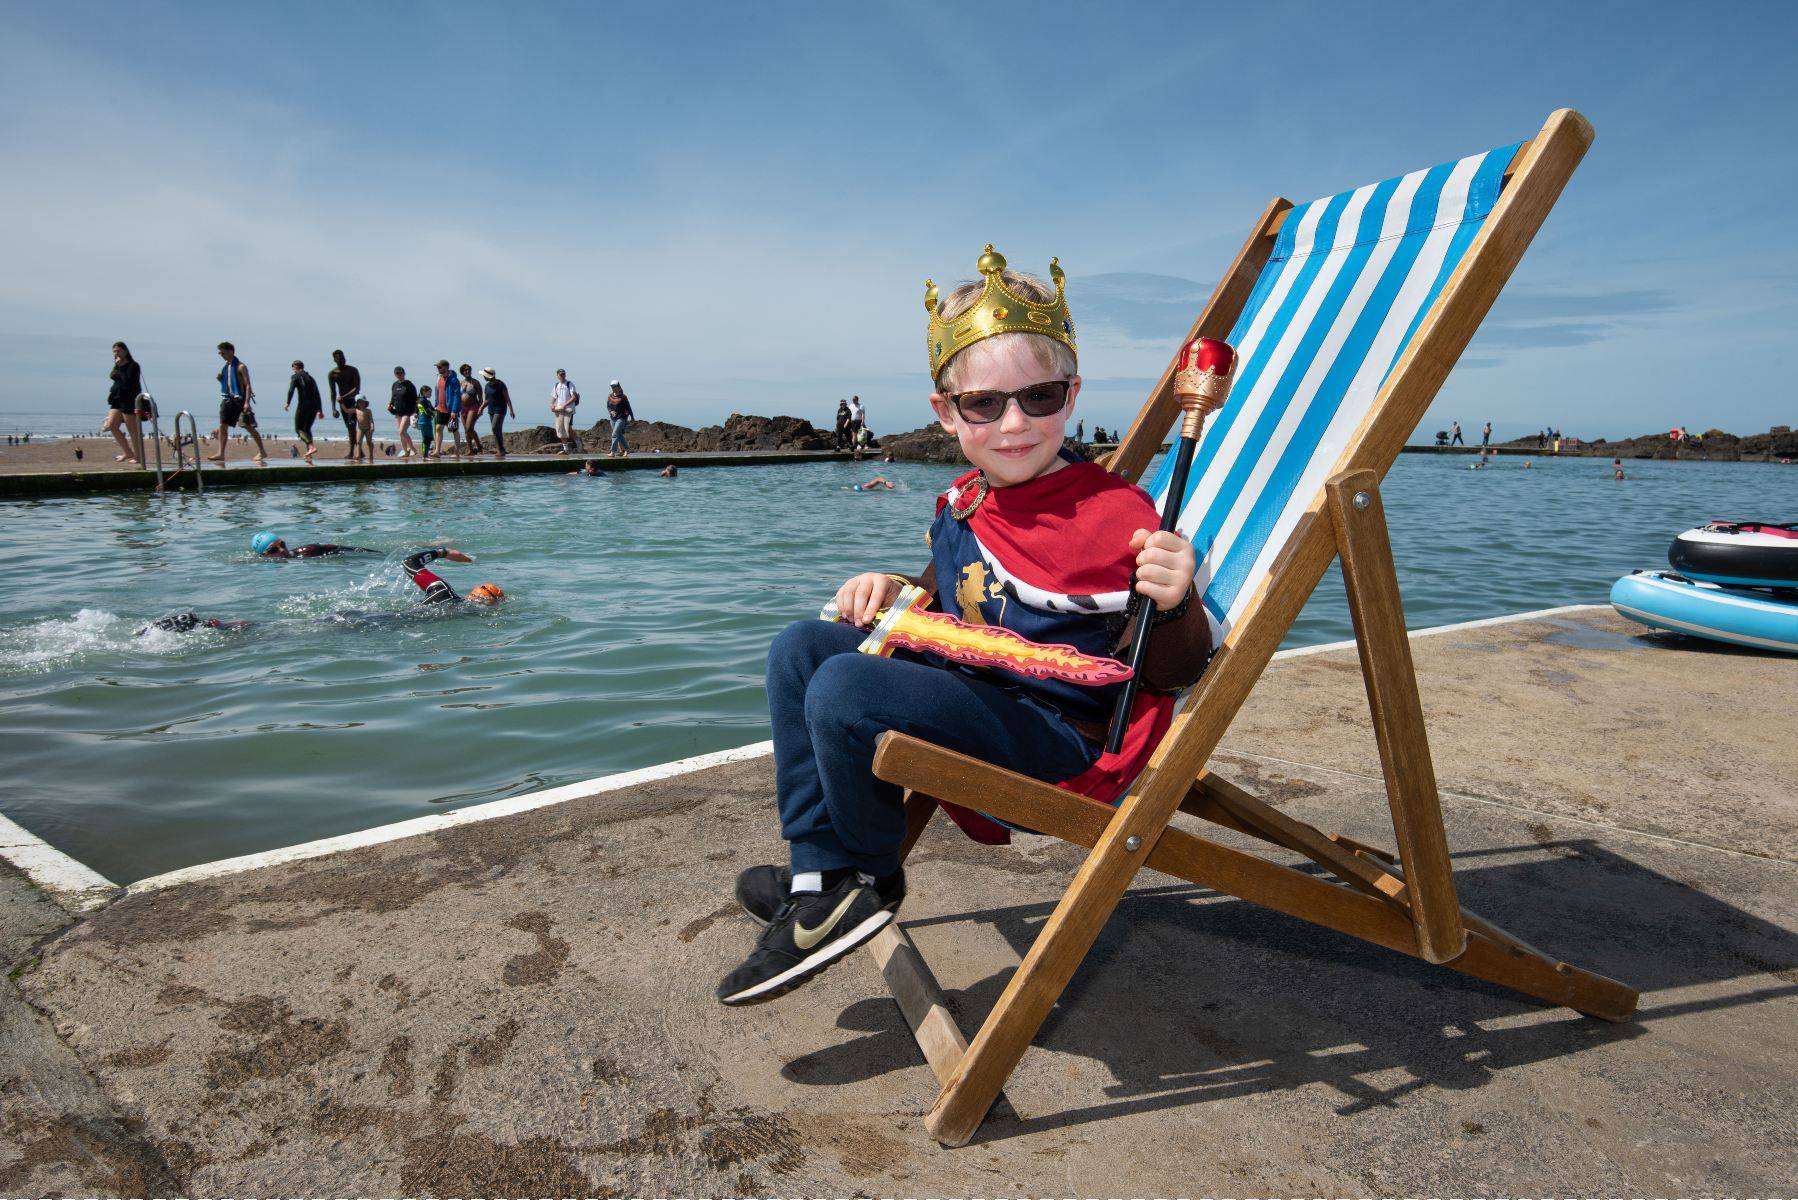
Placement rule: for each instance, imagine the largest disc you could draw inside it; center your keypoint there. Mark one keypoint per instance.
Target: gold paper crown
(998, 310)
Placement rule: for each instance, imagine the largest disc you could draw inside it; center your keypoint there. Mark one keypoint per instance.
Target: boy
(1031, 539)
(365, 429)
(427, 416)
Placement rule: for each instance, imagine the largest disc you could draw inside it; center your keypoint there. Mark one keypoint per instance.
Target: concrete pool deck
(522, 1005)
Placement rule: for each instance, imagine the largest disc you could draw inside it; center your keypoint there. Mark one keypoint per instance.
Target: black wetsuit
(302, 384)
(346, 381)
(186, 622)
(319, 550)
(436, 591)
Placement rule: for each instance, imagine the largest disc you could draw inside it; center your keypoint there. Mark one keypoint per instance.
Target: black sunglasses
(1037, 400)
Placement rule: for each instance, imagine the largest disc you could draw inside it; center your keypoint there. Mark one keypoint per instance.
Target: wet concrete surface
(524, 1006)
(59, 1135)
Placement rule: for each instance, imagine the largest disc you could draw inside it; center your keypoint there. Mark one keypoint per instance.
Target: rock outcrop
(931, 444)
(739, 432)
(1715, 445)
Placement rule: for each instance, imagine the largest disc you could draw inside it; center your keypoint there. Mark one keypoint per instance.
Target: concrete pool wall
(46, 484)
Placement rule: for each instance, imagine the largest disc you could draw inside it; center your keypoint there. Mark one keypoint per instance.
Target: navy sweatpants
(830, 705)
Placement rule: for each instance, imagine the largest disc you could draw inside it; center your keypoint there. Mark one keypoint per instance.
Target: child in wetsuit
(1054, 549)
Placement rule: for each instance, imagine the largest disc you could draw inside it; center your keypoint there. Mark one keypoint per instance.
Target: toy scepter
(1201, 385)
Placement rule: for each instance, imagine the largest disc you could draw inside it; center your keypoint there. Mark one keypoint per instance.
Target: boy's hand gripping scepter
(1201, 385)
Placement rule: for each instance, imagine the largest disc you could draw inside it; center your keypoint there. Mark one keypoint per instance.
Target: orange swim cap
(486, 593)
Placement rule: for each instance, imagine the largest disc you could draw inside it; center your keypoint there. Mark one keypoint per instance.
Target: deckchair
(1347, 314)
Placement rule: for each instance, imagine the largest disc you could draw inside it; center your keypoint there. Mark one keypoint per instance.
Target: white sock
(807, 881)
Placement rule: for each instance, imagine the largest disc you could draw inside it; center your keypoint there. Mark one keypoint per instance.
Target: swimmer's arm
(414, 562)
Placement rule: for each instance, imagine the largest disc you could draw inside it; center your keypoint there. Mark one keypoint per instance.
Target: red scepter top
(1207, 354)
(1202, 380)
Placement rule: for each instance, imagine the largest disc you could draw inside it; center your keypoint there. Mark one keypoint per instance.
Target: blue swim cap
(262, 541)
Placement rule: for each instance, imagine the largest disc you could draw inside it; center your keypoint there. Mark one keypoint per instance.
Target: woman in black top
(404, 407)
(121, 406)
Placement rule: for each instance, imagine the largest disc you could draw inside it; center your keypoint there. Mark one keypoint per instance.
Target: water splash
(91, 634)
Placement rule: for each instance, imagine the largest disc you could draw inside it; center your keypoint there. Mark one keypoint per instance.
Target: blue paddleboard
(1743, 617)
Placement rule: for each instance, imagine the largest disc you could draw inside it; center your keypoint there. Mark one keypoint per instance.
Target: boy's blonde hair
(1054, 357)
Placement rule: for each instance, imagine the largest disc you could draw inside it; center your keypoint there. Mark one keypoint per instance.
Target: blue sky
(733, 207)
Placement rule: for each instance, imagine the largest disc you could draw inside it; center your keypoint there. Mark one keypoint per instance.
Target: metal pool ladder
(147, 401)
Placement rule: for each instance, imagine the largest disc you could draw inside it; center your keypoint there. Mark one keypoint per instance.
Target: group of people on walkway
(852, 431)
(446, 412)
(565, 398)
(1452, 435)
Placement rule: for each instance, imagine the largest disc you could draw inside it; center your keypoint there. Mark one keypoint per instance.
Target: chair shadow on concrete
(1189, 996)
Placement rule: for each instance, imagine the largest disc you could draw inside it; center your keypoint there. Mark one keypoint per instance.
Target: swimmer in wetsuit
(187, 622)
(436, 590)
(268, 545)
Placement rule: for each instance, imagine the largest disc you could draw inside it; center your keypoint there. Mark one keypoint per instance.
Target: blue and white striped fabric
(1350, 278)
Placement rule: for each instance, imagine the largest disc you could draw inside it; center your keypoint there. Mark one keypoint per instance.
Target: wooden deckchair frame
(1404, 902)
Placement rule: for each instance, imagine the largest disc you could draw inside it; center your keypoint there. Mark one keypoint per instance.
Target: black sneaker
(811, 931)
(762, 890)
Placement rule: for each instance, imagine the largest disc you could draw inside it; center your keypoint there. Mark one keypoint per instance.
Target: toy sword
(904, 625)
(1201, 385)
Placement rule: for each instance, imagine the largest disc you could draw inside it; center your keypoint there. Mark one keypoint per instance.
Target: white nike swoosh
(805, 938)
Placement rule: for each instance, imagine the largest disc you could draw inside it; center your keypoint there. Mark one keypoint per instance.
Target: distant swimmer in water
(269, 545)
(880, 483)
(187, 622)
(1616, 468)
(670, 472)
(588, 467)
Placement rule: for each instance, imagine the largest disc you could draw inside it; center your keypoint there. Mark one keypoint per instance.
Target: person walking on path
(1486, 435)
(498, 400)
(471, 407)
(449, 407)
(346, 385)
(404, 407)
(302, 385)
(564, 397)
(121, 406)
(1454, 434)
(1080, 433)
(842, 424)
(858, 419)
(618, 408)
(236, 403)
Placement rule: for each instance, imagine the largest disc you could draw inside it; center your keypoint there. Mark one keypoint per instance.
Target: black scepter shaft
(1201, 384)
(1145, 621)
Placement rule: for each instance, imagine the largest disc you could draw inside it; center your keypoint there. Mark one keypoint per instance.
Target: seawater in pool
(638, 613)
